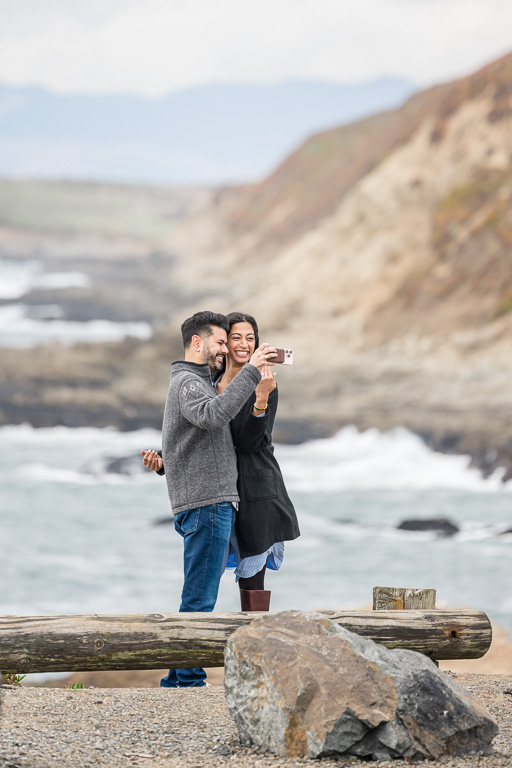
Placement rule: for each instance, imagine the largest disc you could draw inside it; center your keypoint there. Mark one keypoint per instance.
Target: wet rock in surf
(439, 525)
(115, 465)
(169, 520)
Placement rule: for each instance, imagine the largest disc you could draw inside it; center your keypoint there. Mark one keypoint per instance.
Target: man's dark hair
(201, 324)
(243, 317)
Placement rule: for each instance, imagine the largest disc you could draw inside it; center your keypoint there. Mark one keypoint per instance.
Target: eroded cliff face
(397, 296)
(404, 293)
(381, 252)
(418, 245)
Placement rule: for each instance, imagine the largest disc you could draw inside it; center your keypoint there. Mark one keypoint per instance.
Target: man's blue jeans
(205, 532)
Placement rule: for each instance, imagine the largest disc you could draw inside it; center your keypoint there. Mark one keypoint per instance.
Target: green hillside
(69, 207)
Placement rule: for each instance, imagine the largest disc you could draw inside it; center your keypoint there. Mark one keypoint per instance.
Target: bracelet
(259, 409)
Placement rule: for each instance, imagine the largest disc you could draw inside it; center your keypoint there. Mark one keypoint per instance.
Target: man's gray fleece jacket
(197, 448)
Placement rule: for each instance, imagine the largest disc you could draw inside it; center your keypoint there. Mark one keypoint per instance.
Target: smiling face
(213, 348)
(241, 343)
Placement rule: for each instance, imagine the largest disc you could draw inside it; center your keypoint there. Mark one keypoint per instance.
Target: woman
(265, 517)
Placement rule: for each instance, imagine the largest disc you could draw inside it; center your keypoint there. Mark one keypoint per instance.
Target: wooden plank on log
(400, 598)
(158, 640)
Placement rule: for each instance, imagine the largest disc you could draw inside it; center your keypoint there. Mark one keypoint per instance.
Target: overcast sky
(154, 46)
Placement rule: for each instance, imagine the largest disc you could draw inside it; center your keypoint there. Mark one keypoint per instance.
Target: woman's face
(241, 343)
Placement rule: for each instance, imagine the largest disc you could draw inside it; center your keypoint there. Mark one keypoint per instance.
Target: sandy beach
(43, 727)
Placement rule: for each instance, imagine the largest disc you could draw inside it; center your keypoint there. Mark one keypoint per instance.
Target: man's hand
(152, 460)
(262, 356)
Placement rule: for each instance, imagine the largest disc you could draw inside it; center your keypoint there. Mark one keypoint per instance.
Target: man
(200, 461)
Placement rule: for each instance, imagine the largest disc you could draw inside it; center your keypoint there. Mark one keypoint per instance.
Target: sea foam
(380, 460)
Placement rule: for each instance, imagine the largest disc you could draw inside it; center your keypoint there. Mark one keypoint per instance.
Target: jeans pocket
(187, 521)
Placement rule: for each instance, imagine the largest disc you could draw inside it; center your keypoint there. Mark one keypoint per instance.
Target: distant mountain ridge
(210, 134)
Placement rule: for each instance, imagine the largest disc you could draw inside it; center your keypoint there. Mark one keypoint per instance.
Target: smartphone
(284, 356)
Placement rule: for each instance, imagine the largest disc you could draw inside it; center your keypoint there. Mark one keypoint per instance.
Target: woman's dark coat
(265, 514)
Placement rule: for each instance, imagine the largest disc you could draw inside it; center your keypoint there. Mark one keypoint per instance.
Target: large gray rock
(298, 684)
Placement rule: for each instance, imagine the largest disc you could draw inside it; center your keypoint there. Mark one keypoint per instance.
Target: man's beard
(215, 361)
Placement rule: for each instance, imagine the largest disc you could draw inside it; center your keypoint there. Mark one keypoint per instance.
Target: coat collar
(200, 369)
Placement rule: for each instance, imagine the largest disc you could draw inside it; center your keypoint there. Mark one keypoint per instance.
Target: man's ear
(195, 343)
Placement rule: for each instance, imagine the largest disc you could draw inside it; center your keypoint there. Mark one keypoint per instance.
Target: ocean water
(23, 325)
(19, 277)
(75, 538)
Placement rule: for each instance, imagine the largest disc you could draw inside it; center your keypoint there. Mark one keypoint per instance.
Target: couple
(227, 493)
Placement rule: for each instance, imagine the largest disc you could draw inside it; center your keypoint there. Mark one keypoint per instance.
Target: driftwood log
(155, 641)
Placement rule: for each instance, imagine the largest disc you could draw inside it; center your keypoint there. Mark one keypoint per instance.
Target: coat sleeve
(206, 410)
(253, 433)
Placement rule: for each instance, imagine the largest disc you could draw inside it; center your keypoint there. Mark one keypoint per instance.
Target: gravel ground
(48, 727)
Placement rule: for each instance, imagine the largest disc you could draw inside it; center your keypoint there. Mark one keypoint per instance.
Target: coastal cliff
(381, 252)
